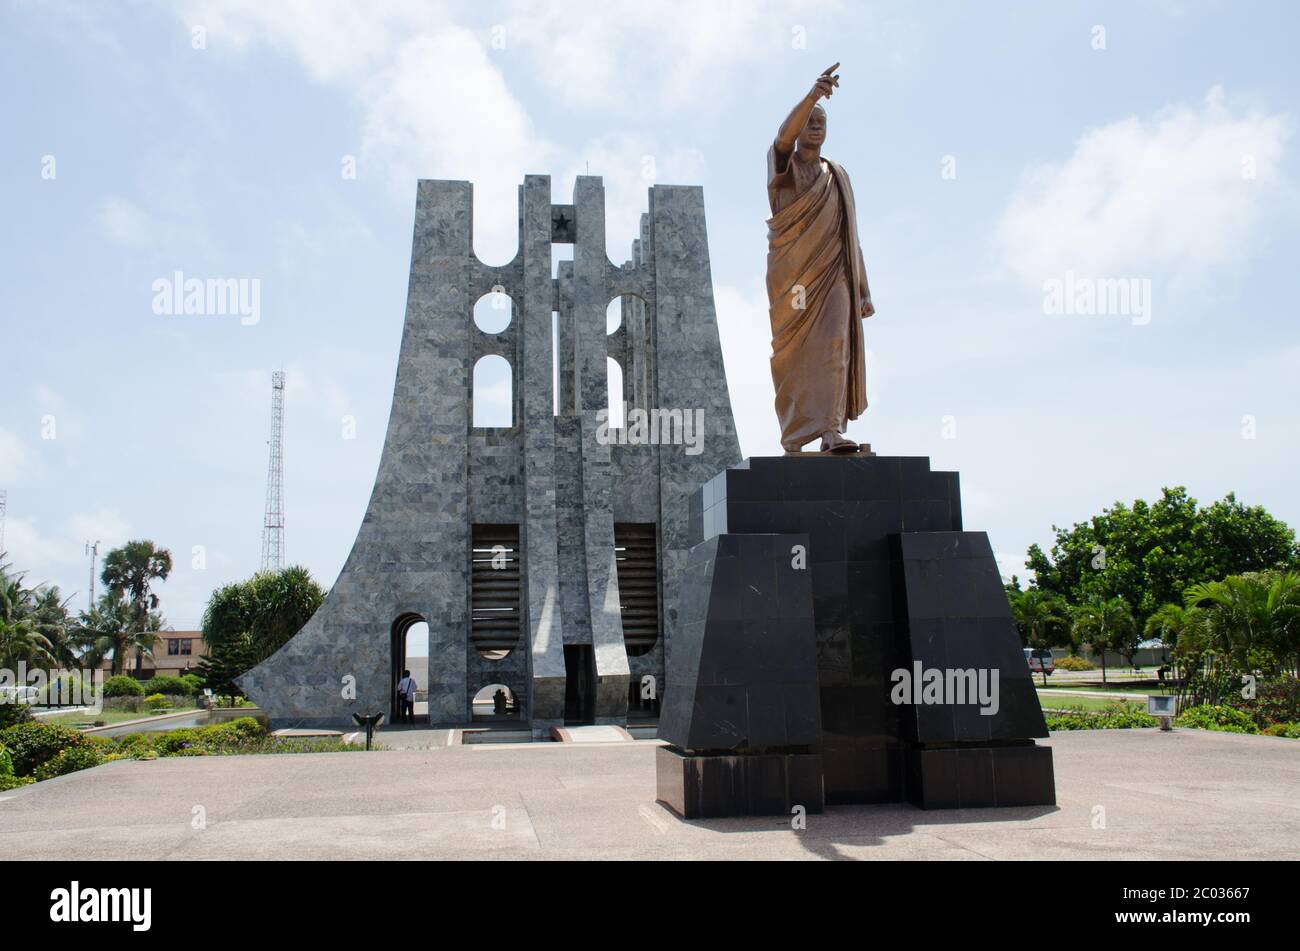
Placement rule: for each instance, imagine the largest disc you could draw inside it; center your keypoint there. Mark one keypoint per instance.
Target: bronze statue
(816, 283)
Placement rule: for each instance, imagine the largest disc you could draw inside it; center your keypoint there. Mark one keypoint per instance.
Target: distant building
(174, 653)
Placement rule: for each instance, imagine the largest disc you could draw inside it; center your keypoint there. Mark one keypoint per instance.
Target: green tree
(248, 621)
(1149, 553)
(130, 572)
(1042, 619)
(1105, 625)
(223, 665)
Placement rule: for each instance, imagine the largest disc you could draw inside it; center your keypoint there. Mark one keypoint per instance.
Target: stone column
(545, 632)
(590, 299)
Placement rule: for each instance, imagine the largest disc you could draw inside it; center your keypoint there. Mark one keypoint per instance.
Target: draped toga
(817, 292)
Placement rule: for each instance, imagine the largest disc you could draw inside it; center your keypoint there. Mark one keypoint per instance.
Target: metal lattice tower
(273, 522)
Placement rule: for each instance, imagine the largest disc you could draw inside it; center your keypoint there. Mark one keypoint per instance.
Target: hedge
(32, 745)
(123, 686)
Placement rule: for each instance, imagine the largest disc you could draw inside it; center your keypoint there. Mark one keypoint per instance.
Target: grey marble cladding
(550, 473)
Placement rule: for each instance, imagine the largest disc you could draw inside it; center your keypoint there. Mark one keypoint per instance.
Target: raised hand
(825, 85)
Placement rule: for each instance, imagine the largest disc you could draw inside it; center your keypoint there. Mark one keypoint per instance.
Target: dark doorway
(579, 684)
(398, 653)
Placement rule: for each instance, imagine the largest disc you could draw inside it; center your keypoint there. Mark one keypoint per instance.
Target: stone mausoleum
(543, 555)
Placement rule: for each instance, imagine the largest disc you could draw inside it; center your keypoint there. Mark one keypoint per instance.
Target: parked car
(1040, 661)
(24, 694)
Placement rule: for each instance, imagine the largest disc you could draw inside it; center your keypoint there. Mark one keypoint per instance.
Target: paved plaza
(1183, 795)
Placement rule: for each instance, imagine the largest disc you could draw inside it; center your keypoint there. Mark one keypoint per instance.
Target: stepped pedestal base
(978, 777)
(716, 785)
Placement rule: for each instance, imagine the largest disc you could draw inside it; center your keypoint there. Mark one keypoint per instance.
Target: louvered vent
(636, 556)
(494, 587)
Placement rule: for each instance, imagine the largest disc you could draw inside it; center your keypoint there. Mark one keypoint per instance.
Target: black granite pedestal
(741, 707)
(894, 582)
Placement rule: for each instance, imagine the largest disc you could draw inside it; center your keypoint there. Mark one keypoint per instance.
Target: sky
(1006, 157)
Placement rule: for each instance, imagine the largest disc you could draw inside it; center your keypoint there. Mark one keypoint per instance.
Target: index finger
(830, 69)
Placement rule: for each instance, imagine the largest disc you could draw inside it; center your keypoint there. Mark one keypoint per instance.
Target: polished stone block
(970, 777)
(743, 671)
(753, 784)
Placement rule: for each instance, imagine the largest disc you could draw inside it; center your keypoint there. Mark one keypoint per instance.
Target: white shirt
(406, 687)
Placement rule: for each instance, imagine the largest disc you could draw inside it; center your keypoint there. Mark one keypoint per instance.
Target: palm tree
(1184, 630)
(104, 631)
(130, 572)
(49, 612)
(1105, 625)
(29, 628)
(1251, 611)
(1041, 619)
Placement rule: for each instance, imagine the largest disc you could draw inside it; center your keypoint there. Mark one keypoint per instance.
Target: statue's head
(814, 130)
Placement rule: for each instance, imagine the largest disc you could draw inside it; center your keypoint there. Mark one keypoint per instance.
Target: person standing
(406, 698)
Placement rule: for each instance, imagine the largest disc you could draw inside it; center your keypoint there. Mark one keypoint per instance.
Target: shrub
(13, 782)
(157, 701)
(33, 744)
(177, 742)
(248, 727)
(195, 682)
(133, 744)
(1074, 663)
(70, 760)
(132, 704)
(1117, 717)
(1289, 730)
(1217, 717)
(6, 762)
(1277, 700)
(122, 686)
(14, 713)
(171, 686)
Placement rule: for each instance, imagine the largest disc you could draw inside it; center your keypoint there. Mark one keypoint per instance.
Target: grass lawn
(1116, 687)
(109, 717)
(1057, 702)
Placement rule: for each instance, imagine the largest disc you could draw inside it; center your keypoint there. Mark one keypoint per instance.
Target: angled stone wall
(556, 472)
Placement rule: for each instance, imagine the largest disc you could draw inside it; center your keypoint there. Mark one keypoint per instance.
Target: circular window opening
(614, 315)
(493, 311)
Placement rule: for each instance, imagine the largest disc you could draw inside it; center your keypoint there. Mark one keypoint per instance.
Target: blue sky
(1151, 141)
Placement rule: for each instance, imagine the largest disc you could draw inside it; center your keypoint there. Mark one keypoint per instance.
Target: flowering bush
(1217, 717)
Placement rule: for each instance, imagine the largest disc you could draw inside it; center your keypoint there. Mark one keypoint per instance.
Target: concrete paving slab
(1122, 794)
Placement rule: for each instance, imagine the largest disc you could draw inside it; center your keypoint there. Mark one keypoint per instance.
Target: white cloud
(104, 525)
(440, 109)
(13, 458)
(433, 105)
(335, 40)
(28, 550)
(628, 54)
(628, 165)
(746, 334)
(1163, 197)
(125, 222)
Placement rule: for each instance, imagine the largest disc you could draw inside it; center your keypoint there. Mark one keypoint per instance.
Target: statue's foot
(834, 442)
